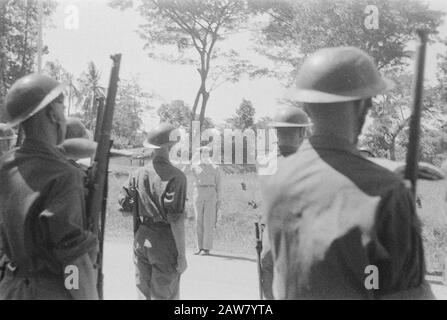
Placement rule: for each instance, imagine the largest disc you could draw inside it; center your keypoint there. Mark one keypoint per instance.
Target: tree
(55, 70)
(244, 118)
(296, 28)
(18, 39)
(91, 91)
(194, 28)
(387, 135)
(176, 113)
(180, 115)
(130, 102)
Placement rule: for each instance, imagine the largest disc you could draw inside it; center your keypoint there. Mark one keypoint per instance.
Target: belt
(15, 271)
(149, 221)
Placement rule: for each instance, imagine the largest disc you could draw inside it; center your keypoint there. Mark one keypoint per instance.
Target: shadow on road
(229, 257)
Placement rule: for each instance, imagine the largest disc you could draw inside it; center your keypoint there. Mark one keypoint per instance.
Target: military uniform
(288, 117)
(161, 197)
(342, 213)
(341, 226)
(207, 185)
(44, 221)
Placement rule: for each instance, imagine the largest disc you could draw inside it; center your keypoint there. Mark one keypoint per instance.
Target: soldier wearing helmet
(7, 138)
(291, 124)
(341, 226)
(157, 200)
(42, 201)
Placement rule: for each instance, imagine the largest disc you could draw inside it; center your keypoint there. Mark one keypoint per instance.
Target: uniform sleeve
(124, 196)
(218, 184)
(64, 220)
(174, 197)
(398, 250)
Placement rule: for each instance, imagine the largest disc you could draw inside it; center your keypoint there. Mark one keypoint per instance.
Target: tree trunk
(205, 97)
(393, 149)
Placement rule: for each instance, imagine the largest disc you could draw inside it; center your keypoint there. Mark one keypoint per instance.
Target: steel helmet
(29, 95)
(76, 129)
(336, 75)
(159, 136)
(288, 117)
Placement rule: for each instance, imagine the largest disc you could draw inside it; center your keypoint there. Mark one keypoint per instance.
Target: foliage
(244, 117)
(91, 90)
(193, 28)
(299, 27)
(130, 102)
(72, 93)
(179, 114)
(18, 39)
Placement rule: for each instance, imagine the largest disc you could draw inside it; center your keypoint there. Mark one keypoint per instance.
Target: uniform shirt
(207, 174)
(42, 205)
(332, 213)
(161, 190)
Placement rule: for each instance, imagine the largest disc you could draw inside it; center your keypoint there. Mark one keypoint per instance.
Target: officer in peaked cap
(157, 202)
(42, 205)
(341, 226)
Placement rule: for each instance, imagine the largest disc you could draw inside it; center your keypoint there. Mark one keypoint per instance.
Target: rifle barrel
(411, 169)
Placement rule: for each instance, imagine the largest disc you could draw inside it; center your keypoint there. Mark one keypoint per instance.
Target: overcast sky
(103, 31)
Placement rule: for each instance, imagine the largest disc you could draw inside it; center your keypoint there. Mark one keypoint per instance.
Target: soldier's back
(44, 223)
(332, 213)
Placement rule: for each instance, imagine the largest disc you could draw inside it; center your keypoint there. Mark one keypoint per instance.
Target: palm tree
(91, 91)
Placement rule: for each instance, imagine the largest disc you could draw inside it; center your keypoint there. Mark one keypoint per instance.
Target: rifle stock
(258, 256)
(411, 168)
(98, 192)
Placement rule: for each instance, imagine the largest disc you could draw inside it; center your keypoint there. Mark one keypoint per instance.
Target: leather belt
(15, 271)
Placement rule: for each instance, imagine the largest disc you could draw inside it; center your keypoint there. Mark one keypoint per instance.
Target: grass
(235, 227)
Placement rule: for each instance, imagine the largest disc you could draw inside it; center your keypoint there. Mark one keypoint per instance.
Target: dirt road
(215, 277)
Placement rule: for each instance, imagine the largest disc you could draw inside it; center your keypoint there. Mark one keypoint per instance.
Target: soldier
(159, 244)
(207, 193)
(7, 138)
(42, 202)
(290, 124)
(341, 226)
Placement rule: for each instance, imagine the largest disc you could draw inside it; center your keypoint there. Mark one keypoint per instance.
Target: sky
(102, 31)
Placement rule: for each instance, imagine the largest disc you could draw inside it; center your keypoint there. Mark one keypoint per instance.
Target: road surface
(214, 277)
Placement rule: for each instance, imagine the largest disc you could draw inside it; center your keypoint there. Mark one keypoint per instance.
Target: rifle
(135, 214)
(411, 168)
(99, 117)
(97, 198)
(258, 257)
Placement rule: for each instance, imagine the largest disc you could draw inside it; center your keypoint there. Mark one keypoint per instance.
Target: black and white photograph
(223, 154)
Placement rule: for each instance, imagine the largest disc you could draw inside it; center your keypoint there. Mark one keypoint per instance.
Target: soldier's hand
(181, 264)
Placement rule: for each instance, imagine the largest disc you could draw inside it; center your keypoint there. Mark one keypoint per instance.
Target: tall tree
(244, 117)
(179, 114)
(91, 91)
(194, 28)
(18, 39)
(131, 100)
(72, 93)
(296, 28)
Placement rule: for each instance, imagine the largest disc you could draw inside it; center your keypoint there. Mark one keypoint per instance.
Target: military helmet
(159, 136)
(29, 95)
(76, 129)
(336, 75)
(288, 117)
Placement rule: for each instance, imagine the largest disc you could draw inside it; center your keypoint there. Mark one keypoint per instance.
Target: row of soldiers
(330, 213)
